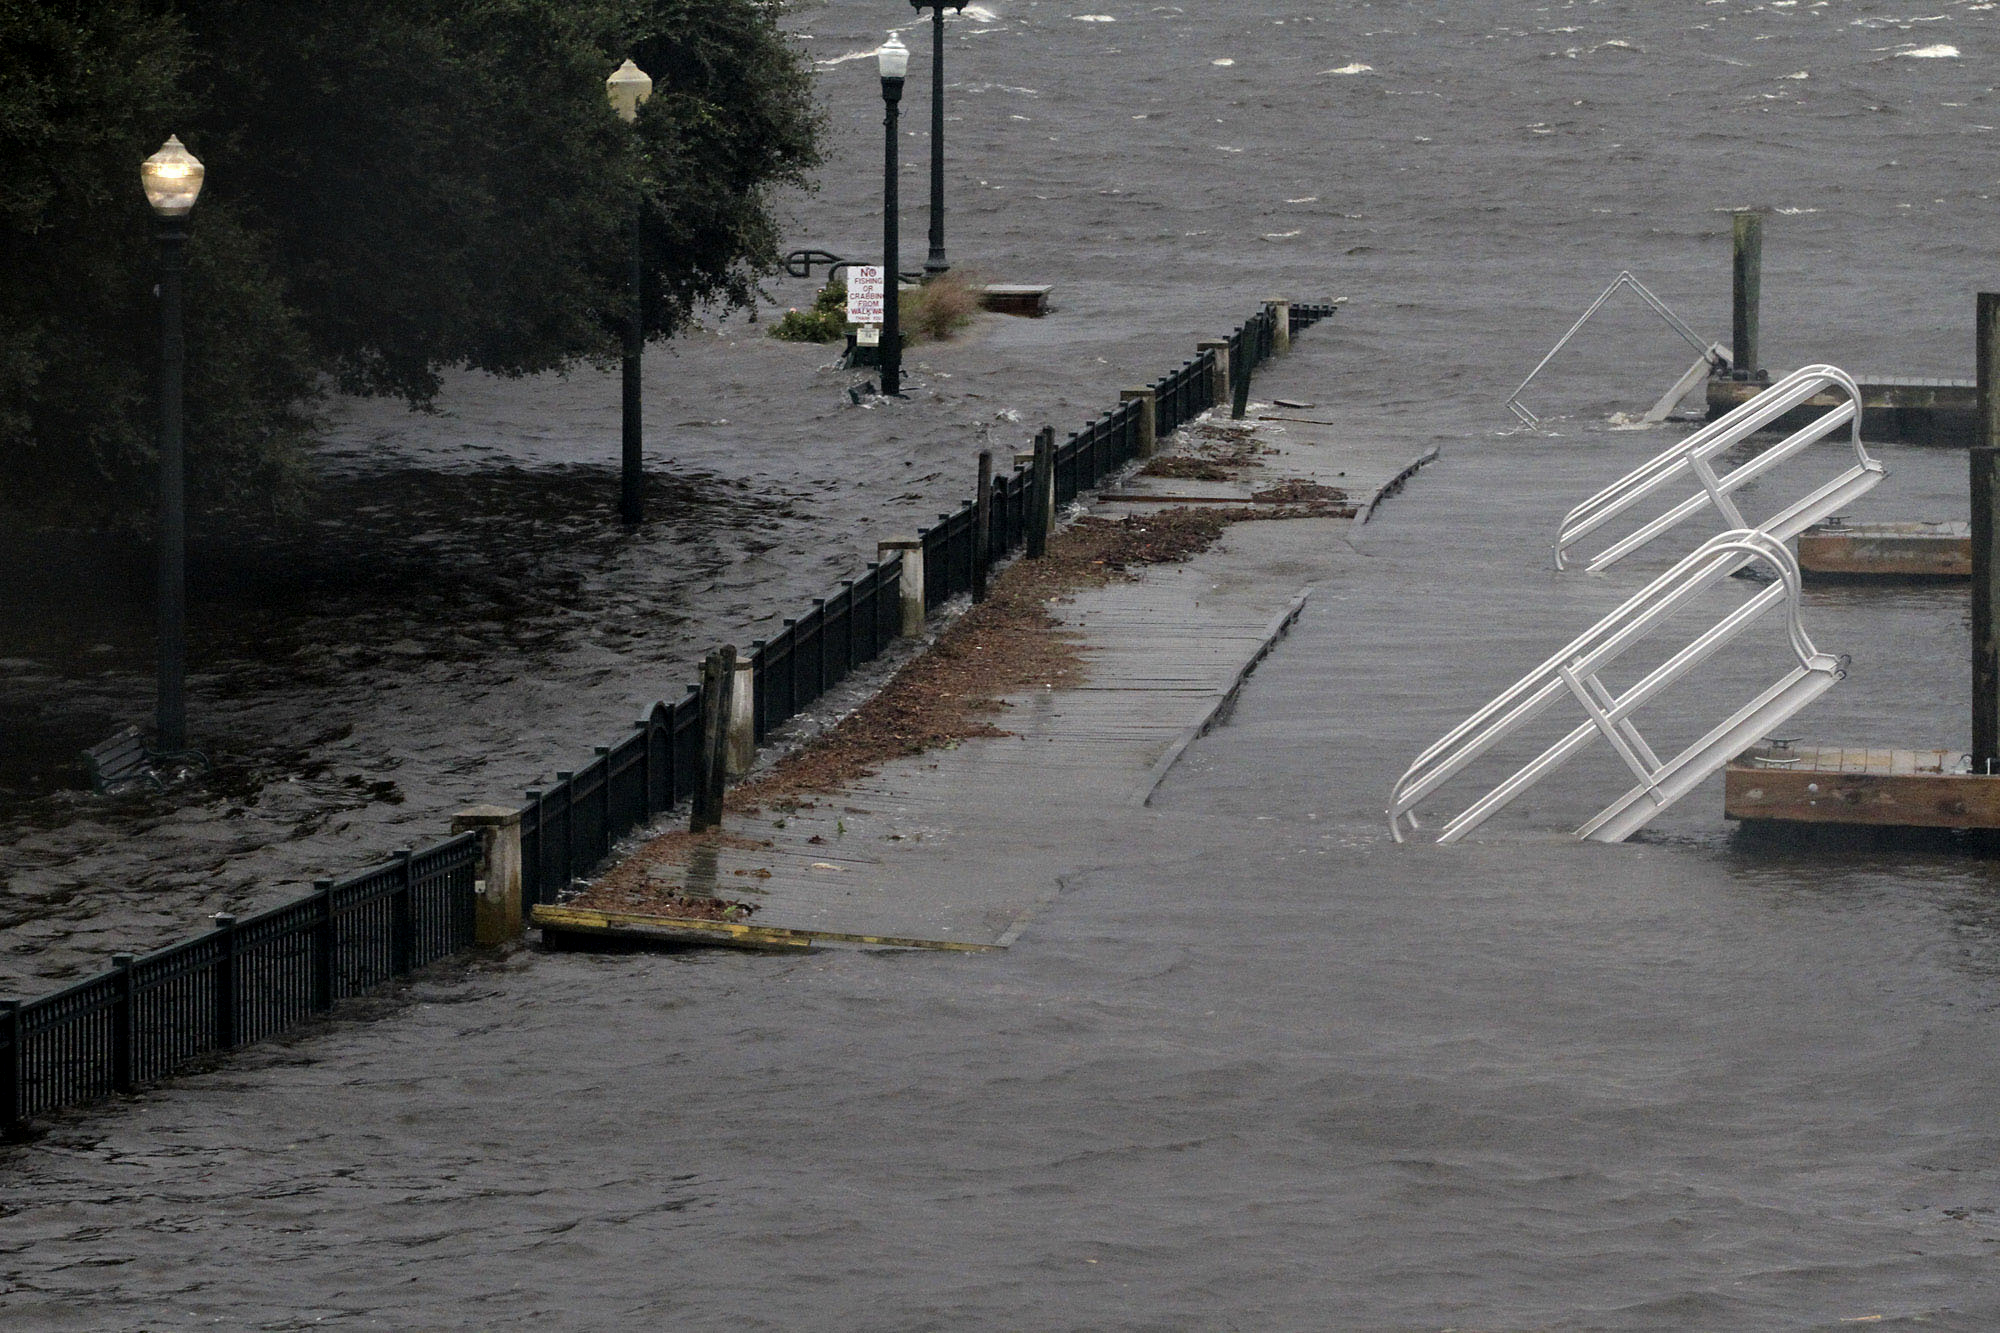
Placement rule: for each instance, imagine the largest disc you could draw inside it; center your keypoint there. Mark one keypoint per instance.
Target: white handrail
(1695, 455)
(1711, 353)
(1573, 672)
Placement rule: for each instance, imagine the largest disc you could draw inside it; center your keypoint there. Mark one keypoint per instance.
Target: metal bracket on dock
(1714, 356)
(1574, 673)
(1695, 457)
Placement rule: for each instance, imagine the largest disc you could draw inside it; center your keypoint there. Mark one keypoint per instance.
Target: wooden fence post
(1042, 494)
(1281, 324)
(1985, 533)
(1220, 381)
(982, 525)
(718, 670)
(402, 912)
(497, 911)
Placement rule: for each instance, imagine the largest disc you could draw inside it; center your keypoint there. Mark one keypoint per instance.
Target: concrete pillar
(1220, 346)
(742, 717)
(1149, 418)
(911, 586)
(498, 915)
(1281, 327)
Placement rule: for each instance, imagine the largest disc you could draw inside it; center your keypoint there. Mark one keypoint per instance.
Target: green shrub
(824, 322)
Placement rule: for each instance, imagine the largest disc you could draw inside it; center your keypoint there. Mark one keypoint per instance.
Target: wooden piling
(742, 716)
(1985, 481)
(1281, 325)
(1746, 292)
(1148, 416)
(1042, 494)
(717, 671)
(982, 525)
(1219, 386)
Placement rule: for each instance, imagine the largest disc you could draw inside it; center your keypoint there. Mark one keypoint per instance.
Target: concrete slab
(956, 847)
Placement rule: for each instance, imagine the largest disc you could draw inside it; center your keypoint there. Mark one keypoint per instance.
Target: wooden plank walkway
(1908, 408)
(954, 848)
(1844, 784)
(1919, 550)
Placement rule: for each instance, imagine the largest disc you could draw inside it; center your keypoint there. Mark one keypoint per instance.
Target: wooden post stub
(910, 587)
(982, 525)
(1281, 324)
(1042, 494)
(497, 910)
(1985, 482)
(709, 772)
(1149, 419)
(1220, 385)
(1746, 289)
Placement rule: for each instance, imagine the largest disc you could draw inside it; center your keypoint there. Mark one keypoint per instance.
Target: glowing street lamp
(172, 180)
(628, 88)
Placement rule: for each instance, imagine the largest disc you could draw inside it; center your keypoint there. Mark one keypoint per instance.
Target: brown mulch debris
(1298, 490)
(1213, 453)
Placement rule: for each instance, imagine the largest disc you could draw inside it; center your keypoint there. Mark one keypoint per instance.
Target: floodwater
(1257, 1067)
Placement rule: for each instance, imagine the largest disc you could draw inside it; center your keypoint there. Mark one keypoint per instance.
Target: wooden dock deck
(1836, 784)
(955, 848)
(1903, 408)
(1921, 550)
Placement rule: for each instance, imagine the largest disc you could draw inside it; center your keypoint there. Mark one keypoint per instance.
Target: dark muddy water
(1259, 1068)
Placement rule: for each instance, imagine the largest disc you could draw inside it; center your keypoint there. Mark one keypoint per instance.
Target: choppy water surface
(1258, 1068)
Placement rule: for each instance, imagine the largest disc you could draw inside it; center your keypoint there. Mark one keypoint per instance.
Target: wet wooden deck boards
(1935, 550)
(1842, 784)
(957, 846)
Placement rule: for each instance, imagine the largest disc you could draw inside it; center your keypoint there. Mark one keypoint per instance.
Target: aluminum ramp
(1695, 456)
(1574, 673)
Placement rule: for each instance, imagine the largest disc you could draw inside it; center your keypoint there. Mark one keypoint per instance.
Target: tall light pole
(894, 61)
(172, 181)
(934, 263)
(629, 88)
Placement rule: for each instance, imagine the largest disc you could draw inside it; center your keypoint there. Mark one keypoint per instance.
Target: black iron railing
(249, 979)
(241, 982)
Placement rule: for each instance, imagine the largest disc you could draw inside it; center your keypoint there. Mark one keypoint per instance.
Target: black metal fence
(239, 983)
(249, 979)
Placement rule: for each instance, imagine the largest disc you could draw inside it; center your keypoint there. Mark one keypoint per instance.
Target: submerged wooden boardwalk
(955, 848)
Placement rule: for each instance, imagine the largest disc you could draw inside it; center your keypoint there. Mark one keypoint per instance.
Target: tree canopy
(394, 187)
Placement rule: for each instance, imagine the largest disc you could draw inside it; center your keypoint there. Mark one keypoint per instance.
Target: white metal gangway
(1695, 457)
(1574, 673)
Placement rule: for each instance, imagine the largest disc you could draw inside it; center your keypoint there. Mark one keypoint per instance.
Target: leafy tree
(394, 188)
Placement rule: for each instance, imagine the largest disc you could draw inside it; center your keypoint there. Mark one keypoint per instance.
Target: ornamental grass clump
(940, 308)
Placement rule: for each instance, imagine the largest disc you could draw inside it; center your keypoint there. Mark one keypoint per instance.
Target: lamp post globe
(171, 179)
(629, 88)
(893, 62)
(935, 262)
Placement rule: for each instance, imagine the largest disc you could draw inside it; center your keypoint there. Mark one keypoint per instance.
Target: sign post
(865, 295)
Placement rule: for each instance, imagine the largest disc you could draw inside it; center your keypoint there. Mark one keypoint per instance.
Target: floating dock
(1841, 784)
(1899, 408)
(1923, 550)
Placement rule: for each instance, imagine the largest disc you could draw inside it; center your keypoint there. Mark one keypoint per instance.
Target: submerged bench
(124, 761)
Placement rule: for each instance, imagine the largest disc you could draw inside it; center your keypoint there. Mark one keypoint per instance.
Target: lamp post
(934, 263)
(894, 60)
(629, 88)
(172, 181)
